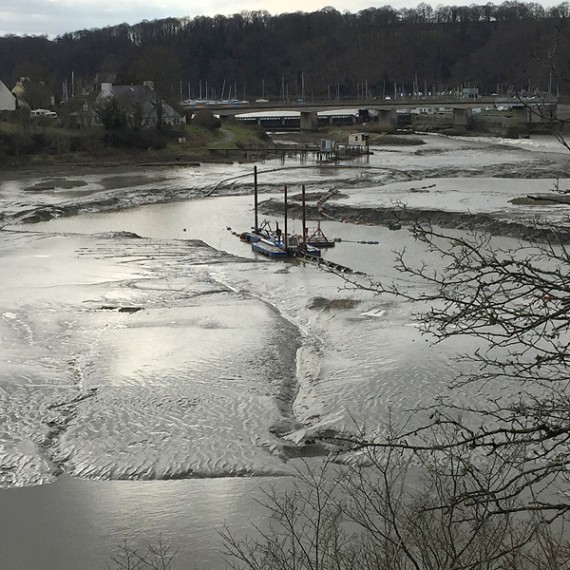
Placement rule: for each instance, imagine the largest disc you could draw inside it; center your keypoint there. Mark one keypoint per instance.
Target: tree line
(376, 52)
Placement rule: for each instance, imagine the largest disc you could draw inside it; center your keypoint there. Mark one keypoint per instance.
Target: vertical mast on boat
(304, 214)
(285, 213)
(256, 221)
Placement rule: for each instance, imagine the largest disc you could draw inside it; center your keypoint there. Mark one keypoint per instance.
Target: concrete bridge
(523, 109)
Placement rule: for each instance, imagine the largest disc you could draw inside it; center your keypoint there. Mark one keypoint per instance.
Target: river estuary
(155, 374)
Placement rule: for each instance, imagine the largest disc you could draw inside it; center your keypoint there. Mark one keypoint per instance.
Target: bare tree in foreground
(385, 512)
(479, 485)
(515, 303)
(155, 557)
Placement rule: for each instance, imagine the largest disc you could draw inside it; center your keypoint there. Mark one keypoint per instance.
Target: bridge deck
(377, 104)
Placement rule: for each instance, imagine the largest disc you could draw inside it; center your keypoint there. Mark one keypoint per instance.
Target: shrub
(207, 120)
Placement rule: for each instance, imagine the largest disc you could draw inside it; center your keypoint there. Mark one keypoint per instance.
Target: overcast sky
(55, 17)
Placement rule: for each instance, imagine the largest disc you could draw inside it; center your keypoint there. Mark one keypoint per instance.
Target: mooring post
(256, 224)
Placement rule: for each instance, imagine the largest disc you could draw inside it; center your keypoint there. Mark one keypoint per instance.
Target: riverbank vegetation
(29, 142)
(25, 142)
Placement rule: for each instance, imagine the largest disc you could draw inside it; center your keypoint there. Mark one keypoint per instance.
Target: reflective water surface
(75, 524)
(154, 373)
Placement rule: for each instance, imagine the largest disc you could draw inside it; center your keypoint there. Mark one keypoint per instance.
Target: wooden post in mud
(304, 213)
(285, 213)
(255, 220)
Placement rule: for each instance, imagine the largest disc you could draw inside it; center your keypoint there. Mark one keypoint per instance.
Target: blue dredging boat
(274, 245)
(269, 249)
(278, 244)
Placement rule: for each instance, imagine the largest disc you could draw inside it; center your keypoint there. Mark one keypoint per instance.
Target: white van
(43, 113)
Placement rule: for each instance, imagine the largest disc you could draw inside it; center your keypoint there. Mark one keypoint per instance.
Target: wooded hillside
(373, 53)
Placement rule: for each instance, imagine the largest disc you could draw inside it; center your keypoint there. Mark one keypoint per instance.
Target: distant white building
(7, 100)
(358, 140)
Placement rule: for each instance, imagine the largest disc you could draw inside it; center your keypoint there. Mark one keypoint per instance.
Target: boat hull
(268, 249)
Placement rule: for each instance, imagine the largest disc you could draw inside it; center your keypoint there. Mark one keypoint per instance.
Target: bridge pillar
(387, 119)
(462, 118)
(309, 121)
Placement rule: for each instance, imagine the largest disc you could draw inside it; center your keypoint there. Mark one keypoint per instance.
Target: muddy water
(75, 524)
(177, 366)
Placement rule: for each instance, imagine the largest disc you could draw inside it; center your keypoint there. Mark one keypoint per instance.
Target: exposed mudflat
(492, 223)
(140, 340)
(159, 274)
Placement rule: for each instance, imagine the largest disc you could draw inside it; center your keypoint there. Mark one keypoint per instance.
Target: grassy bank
(48, 144)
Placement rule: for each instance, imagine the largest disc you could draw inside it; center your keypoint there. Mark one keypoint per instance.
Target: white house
(7, 100)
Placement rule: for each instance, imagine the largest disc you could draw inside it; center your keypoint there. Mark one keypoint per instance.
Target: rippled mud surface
(123, 358)
(148, 343)
(140, 340)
